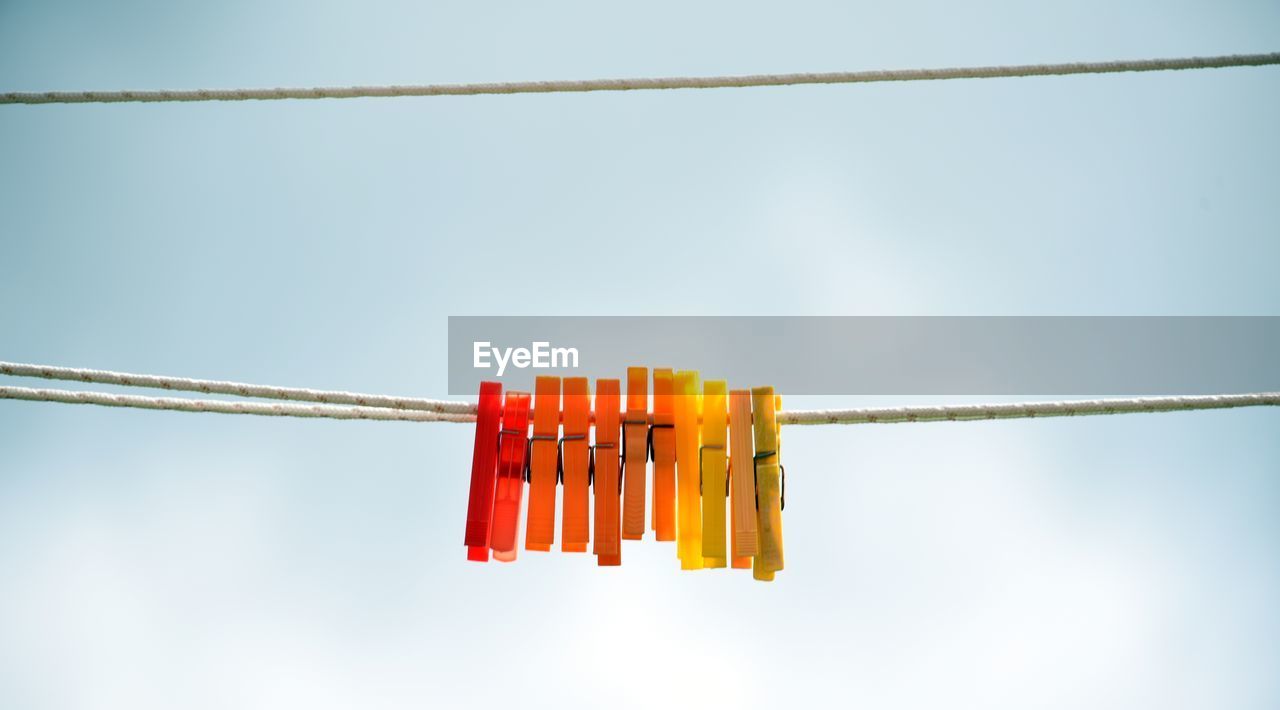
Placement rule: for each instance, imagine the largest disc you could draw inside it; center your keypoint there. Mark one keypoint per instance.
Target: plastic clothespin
(575, 459)
(688, 503)
(768, 471)
(635, 453)
(608, 476)
(540, 532)
(662, 447)
(513, 448)
(742, 481)
(713, 462)
(484, 469)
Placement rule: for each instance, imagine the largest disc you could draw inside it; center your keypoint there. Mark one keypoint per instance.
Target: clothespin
(635, 453)
(714, 483)
(513, 450)
(484, 470)
(575, 458)
(688, 504)
(608, 476)
(662, 449)
(540, 532)
(768, 472)
(742, 480)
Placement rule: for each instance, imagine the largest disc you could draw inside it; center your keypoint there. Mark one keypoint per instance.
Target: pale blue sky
(161, 560)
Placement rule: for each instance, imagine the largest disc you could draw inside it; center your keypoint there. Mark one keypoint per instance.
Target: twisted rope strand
(642, 84)
(1027, 410)
(297, 394)
(266, 409)
(870, 415)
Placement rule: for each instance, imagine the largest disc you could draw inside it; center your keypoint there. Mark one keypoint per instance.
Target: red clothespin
(484, 470)
(513, 447)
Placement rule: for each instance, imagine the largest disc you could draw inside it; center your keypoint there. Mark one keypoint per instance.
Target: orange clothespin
(575, 456)
(742, 481)
(662, 449)
(635, 453)
(713, 480)
(540, 532)
(484, 471)
(688, 503)
(768, 473)
(513, 450)
(608, 476)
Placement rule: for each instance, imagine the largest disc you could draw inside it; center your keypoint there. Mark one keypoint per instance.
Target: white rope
(642, 84)
(266, 409)
(297, 394)
(388, 408)
(1028, 410)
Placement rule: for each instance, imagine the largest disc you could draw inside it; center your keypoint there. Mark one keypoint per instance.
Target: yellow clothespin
(768, 474)
(688, 505)
(714, 482)
(662, 448)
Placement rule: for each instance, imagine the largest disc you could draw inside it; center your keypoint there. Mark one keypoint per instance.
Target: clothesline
(312, 403)
(641, 84)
